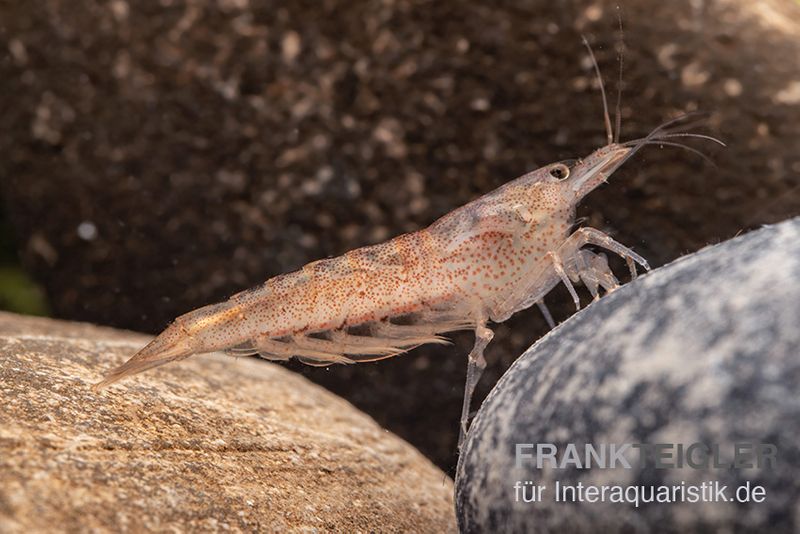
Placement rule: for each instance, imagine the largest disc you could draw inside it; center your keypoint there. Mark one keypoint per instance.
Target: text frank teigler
(659, 456)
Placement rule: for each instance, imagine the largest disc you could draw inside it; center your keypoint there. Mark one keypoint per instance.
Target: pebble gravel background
(161, 155)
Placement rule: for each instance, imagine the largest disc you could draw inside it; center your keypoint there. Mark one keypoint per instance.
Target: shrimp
(481, 263)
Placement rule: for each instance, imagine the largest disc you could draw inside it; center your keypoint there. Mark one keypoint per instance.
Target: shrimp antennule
(606, 117)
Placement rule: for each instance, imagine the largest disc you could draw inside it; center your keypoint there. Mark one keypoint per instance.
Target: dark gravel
(160, 156)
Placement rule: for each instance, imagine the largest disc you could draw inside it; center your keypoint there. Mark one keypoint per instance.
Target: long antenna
(621, 54)
(609, 132)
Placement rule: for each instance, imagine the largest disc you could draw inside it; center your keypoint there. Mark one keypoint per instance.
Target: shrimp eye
(559, 171)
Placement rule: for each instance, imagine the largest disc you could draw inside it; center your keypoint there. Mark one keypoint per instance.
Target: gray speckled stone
(702, 350)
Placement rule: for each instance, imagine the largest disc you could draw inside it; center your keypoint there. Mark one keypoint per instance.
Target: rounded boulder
(702, 352)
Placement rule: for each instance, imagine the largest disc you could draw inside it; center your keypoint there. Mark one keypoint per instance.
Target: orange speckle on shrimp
(482, 262)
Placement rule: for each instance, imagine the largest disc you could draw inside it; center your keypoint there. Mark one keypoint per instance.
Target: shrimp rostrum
(479, 264)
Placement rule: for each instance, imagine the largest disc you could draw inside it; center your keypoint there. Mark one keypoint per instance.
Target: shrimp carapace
(482, 262)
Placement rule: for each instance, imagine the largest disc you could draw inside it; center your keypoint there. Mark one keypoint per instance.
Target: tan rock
(211, 443)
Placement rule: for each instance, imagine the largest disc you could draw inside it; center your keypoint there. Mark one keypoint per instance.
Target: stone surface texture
(212, 444)
(702, 350)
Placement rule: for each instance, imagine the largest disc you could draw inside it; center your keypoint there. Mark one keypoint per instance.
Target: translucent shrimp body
(482, 262)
